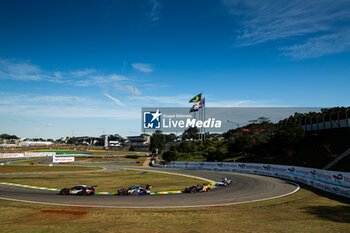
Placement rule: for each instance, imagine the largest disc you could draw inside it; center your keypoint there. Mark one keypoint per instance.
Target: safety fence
(343, 123)
(329, 181)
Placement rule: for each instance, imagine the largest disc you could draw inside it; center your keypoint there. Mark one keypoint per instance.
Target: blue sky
(87, 67)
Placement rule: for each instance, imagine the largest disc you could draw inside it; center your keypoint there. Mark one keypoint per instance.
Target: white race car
(78, 190)
(224, 182)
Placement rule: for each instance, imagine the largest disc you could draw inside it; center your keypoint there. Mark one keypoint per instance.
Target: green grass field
(108, 181)
(308, 210)
(44, 168)
(304, 211)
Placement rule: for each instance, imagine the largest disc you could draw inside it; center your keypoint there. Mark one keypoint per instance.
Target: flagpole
(204, 117)
(202, 120)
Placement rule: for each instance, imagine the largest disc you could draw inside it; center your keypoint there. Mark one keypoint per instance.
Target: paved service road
(244, 188)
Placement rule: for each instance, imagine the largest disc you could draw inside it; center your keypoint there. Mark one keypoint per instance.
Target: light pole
(305, 122)
(311, 123)
(324, 124)
(233, 123)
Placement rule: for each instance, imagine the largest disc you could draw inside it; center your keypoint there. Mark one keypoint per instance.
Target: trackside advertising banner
(39, 154)
(11, 155)
(26, 155)
(330, 181)
(62, 159)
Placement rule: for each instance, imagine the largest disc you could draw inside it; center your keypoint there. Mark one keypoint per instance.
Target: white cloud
(99, 80)
(155, 10)
(147, 68)
(21, 71)
(131, 89)
(84, 72)
(156, 85)
(313, 20)
(14, 98)
(177, 100)
(242, 103)
(65, 111)
(182, 101)
(319, 46)
(13, 104)
(25, 71)
(49, 125)
(115, 100)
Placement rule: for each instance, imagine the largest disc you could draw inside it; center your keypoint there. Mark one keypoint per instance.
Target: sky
(78, 68)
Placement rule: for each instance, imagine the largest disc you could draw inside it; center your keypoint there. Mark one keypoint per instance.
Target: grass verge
(304, 211)
(108, 181)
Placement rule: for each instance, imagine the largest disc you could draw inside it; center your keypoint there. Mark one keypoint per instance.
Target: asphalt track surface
(244, 189)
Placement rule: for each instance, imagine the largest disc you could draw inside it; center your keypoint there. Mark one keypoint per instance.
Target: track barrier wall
(330, 181)
(26, 155)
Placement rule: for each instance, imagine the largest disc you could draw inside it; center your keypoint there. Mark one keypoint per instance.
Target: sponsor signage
(27, 154)
(39, 154)
(62, 159)
(11, 155)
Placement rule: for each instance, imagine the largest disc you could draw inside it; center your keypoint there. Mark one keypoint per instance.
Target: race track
(244, 188)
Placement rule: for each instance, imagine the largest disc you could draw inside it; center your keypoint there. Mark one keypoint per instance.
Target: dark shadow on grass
(325, 194)
(331, 213)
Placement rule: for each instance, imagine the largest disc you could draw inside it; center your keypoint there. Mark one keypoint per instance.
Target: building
(142, 142)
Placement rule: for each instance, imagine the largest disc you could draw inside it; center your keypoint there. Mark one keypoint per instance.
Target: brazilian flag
(196, 99)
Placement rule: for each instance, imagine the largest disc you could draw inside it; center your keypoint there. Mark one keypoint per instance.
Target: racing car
(224, 182)
(135, 190)
(197, 188)
(79, 190)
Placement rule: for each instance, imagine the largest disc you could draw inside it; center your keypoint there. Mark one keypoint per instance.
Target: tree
(170, 155)
(157, 141)
(72, 141)
(170, 137)
(8, 136)
(290, 133)
(191, 133)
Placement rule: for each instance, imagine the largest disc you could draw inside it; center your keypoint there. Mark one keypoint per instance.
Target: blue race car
(224, 182)
(135, 190)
